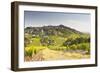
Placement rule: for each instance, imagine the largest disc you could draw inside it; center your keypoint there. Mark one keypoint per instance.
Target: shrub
(33, 50)
(29, 52)
(78, 40)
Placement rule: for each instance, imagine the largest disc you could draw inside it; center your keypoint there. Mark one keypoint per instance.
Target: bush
(29, 52)
(73, 47)
(81, 46)
(84, 46)
(33, 50)
(77, 40)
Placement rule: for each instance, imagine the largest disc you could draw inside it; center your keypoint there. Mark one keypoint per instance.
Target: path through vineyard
(48, 54)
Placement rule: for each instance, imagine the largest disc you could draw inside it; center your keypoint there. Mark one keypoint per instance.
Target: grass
(30, 50)
(58, 40)
(36, 41)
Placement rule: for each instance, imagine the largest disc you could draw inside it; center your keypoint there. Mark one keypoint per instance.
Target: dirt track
(48, 54)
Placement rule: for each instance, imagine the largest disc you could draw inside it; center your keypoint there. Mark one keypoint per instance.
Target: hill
(54, 40)
(60, 30)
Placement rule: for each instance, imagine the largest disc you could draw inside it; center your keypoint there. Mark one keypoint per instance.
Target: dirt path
(48, 54)
(38, 57)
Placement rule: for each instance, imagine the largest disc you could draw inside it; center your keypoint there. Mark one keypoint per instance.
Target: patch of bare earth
(48, 54)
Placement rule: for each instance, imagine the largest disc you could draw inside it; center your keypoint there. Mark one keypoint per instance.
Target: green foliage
(52, 41)
(57, 48)
(35, 41)
(27, 39)
(78, 40)
(46, 41)
(81, 42)
(81, 46)
(73, 47)
(28, 52)
(85, 46)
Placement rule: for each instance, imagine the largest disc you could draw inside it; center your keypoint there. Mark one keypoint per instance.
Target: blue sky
(78, 21)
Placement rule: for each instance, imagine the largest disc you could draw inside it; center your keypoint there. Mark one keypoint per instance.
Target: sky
(78, 21)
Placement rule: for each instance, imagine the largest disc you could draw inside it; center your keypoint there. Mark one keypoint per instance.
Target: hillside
(54, 40)
(60, 30)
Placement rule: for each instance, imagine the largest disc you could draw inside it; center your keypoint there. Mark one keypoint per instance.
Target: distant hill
(60, 30)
